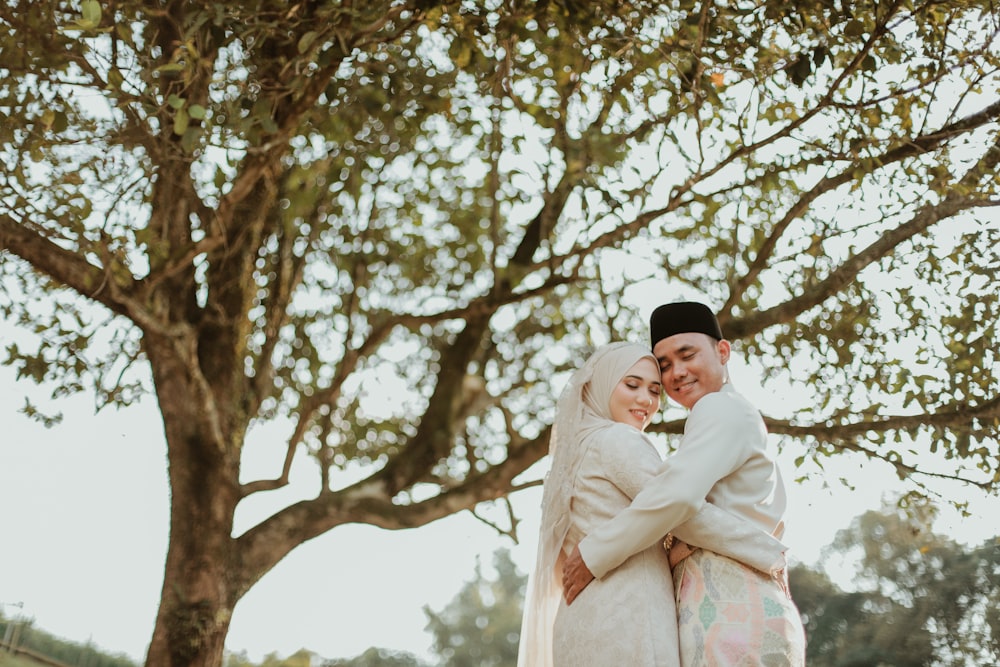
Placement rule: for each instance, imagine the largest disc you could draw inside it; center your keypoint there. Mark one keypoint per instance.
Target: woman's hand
(576, 575)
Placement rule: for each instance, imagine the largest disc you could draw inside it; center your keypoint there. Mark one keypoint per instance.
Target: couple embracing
(645, 563)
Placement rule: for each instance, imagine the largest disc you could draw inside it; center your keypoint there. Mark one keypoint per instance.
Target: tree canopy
(395, 224)
(481, 626)
(918, 599)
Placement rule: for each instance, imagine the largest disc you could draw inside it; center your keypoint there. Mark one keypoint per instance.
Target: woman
(600, 460)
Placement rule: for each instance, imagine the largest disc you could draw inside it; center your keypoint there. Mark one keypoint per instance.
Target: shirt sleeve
(718, 439)
(630, 462)
(717, 530)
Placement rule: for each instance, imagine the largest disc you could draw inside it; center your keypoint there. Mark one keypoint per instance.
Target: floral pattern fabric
(729, 615)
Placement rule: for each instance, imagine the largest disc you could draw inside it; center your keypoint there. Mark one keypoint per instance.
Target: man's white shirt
(722, 457)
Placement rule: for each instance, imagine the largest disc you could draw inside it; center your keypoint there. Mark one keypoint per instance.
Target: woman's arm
(631, 463)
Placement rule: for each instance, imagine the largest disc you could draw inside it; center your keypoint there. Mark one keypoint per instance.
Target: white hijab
(584, 409)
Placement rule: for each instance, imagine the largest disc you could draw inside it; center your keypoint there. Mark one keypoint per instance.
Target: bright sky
(84, 527)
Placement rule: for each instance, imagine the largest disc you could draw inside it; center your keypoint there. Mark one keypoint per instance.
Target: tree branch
(911, 148)
(927, 216)
(959, 417)
(314, 402)
(68, 268)
(369, 501)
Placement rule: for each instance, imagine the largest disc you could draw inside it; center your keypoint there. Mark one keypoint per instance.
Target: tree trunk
(198, 596)
(195, 610)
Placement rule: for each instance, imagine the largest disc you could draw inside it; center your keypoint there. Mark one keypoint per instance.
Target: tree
(258, 210)
(919, 599)
(18, 634)
(482, 625)
(301, 658)
(377, 657)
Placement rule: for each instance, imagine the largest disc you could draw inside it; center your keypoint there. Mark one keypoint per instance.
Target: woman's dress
(628, 618)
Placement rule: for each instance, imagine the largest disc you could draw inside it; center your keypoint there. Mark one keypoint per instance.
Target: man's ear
(724, 348)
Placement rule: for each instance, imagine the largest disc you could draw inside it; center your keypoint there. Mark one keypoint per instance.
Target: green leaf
(115, 80)
(307, 40)
(90, 12)
(196, 111)
(801, 70)
(181, 122)
(61, 122)
(190, 140)
(461, 53)
(854, 28)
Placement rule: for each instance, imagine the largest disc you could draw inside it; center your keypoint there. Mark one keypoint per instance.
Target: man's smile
(685, 386)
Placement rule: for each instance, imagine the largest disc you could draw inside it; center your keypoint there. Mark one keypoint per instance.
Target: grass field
(8, 660)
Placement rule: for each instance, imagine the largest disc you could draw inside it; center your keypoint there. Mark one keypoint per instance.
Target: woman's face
(636, 397)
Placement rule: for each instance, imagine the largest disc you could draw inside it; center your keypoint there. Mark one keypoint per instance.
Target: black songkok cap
(682, 317)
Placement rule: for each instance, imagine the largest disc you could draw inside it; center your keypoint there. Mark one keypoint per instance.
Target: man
(721, 457)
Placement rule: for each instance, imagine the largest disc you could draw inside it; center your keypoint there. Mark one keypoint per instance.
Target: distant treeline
(74, 654)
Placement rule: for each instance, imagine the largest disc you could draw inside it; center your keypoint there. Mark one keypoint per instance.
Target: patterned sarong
(730, 615)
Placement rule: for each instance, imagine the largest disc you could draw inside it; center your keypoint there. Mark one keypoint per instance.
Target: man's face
(691, 365)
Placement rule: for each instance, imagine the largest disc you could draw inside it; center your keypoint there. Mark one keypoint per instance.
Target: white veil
(582, 410)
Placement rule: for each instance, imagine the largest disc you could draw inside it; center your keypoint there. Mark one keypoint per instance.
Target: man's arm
(629, 461)
(717, 440)
(717, 530)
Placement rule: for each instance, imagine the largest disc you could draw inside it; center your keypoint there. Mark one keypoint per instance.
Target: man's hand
(576, 576)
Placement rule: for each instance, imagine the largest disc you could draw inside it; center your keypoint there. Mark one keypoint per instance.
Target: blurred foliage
(377, 657)
(10, 660)
(918, 598)
(481, 626)
(25, 635)
(301, 658)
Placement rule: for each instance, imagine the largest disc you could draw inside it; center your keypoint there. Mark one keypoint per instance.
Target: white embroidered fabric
(582, 411)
